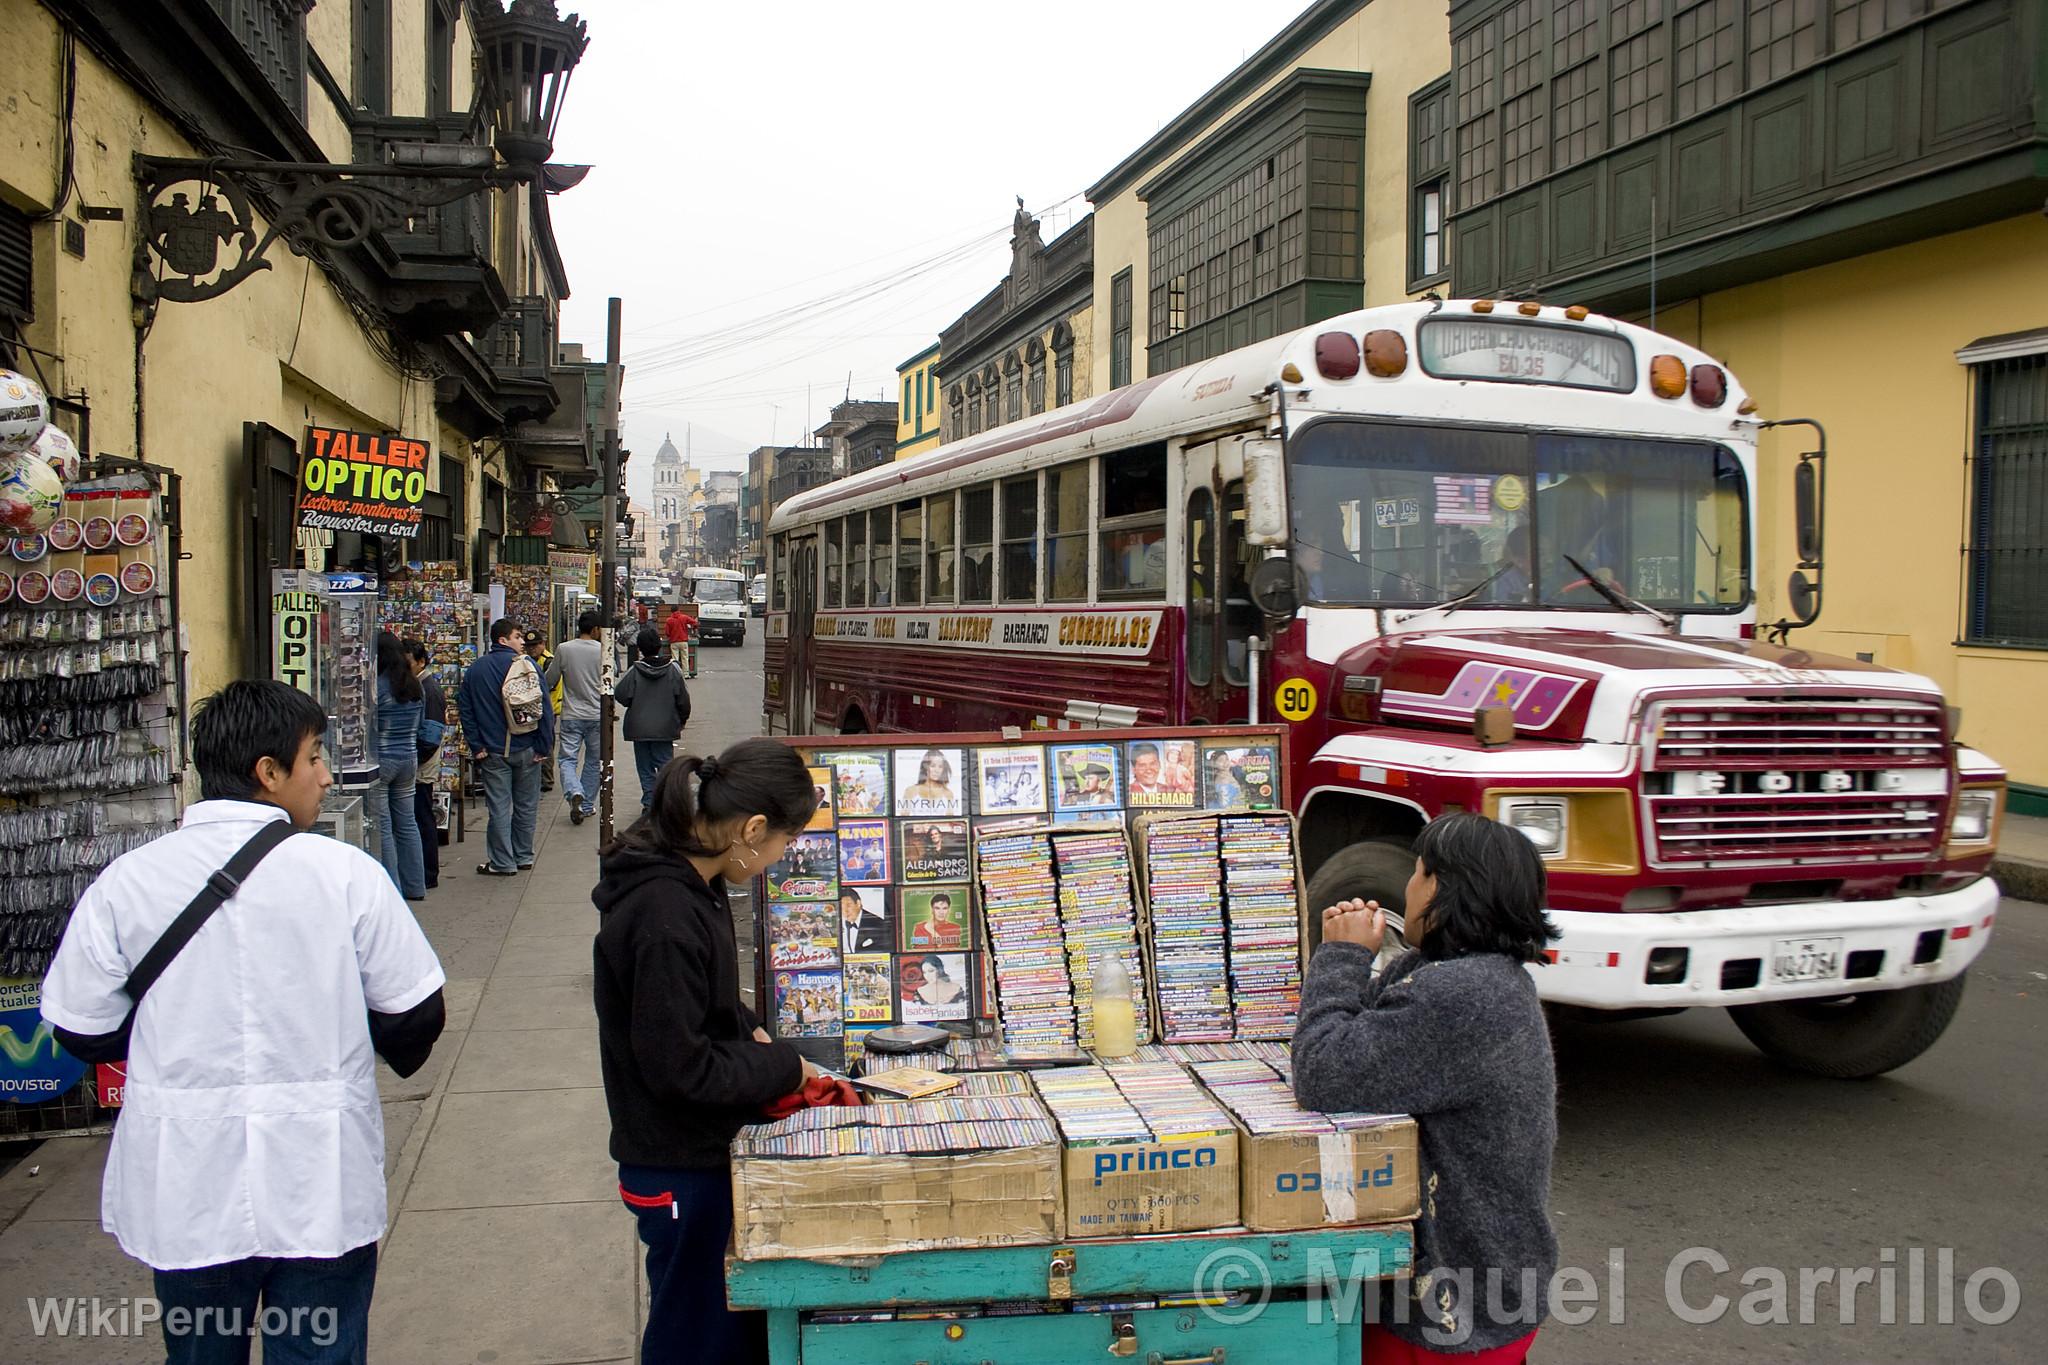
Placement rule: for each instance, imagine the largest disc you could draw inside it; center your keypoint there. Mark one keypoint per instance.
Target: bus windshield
(1390, 514)
(716, 589)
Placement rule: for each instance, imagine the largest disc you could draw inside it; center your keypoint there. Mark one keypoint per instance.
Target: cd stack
(1099, 915)
(1020, 902)
(1183, 886)
(969, 1123)
(1264, 1102)
(1171, 1107)
(1264, 913)
(1273, 1054)
(1089, 1107)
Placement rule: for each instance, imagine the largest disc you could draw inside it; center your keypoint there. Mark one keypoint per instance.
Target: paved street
(509, 1246)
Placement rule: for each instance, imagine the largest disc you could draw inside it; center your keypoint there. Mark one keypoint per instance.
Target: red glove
(819, 1092)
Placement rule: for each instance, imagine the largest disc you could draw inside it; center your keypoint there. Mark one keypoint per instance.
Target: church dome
(668, 454)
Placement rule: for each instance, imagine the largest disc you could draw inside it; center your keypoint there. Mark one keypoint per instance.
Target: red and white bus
(1478, 556)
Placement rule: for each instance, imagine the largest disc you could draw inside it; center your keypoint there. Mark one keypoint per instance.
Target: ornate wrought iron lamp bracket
(199, 210)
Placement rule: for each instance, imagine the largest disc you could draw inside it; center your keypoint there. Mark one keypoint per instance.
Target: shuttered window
(2008, 597)
(17, 265)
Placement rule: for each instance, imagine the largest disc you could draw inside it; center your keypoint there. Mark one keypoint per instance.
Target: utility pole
(608, 595)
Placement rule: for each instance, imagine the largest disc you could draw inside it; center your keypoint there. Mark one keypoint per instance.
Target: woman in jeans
(400, 706)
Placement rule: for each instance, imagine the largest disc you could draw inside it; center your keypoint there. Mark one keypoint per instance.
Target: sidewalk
(2021, 866)
(508, 1243)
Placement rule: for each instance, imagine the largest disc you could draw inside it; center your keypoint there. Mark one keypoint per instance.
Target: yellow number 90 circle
(1295, 699)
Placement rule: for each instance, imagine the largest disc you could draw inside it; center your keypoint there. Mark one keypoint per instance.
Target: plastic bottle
(1116, 1015)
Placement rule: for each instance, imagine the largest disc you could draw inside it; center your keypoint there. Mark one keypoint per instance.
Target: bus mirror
(1265, 492)
(1803, 598)
(1273, 589)
(1806, 511)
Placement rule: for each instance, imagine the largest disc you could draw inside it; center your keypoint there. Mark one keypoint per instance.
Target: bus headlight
(1971, 823)
(1542, 820)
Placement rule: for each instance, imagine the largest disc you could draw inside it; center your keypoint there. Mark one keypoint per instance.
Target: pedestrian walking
(537, 650)
(508, 726)
(400, 705)
(433, 736)
(685, 1062)
(247, 1169)
(575, 673)
(657, 703)
(680, 630)
(1453, 1034)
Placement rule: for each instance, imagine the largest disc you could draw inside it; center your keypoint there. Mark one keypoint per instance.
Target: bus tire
(1372, 871)
(1852, 1037)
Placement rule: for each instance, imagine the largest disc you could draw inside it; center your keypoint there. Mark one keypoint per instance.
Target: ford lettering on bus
(1497, 557)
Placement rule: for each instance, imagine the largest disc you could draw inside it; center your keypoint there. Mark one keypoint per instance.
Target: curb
(2021, 879)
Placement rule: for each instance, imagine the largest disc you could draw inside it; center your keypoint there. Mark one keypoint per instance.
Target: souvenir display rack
(436, 604)
(847, 933)
(90, 732)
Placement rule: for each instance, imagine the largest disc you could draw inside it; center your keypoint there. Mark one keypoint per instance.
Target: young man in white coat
(248, 1166)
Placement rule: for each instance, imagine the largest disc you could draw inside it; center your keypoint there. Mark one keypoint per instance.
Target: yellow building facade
(182, 384)
(917, 404)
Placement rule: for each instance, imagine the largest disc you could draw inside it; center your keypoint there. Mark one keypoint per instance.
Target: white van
(721, 598)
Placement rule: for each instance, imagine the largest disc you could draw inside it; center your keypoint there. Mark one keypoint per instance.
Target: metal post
(608, 584)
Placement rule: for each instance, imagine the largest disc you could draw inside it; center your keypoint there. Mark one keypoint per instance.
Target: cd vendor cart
(1224, 1296)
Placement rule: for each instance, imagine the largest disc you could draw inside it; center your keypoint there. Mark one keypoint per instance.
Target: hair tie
(707, 768)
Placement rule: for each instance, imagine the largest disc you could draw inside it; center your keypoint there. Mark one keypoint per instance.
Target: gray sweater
(576, 667)
(1461, 1045)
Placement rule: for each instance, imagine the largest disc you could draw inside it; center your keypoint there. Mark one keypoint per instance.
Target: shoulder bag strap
(219, 888)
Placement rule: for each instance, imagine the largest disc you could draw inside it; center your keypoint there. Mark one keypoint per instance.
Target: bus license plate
(1806, 959)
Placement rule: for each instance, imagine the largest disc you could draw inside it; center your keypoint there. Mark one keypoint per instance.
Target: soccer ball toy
(31, 494)
(56, 449)
(24, 412)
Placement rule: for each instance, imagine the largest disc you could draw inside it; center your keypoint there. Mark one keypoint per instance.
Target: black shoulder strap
(218, 889)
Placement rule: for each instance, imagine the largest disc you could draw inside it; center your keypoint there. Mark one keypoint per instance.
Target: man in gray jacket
(576, 667)
(657, 703)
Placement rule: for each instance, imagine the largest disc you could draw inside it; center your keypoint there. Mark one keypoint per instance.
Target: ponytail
(694, 795)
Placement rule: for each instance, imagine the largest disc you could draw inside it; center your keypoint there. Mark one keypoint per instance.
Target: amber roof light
(1667, 376)
(1386, 354)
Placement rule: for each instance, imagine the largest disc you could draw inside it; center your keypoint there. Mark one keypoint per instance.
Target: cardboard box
(1310, 1180)
(1129, 1189)
(792, 1207)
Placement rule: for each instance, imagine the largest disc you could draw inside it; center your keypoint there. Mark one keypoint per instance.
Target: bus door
(803, 611)
(1220, 618)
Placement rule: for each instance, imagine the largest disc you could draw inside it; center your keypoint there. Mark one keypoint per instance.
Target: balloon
(24, 411)
(31, 494)
(56, 449)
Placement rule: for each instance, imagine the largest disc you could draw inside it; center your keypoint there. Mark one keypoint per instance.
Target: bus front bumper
(1754, 954)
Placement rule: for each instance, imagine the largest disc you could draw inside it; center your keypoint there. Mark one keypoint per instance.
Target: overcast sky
(841, 173)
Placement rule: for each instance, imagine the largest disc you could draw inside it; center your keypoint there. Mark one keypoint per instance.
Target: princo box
(847, 1183)
(1309, 1180)
(1182, 1177)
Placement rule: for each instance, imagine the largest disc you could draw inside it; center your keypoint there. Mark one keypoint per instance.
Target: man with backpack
(510, 728)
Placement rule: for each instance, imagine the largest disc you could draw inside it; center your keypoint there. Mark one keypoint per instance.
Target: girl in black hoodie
(686, 1064)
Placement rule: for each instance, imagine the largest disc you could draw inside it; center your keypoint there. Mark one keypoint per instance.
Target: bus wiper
(1452, 604)
(1618, 597)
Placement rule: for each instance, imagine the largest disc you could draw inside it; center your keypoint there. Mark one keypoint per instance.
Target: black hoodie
(682, 1069)
(656, 699)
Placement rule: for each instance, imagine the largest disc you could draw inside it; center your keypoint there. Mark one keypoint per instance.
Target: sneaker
(526, 867)
(577, 814)
(486, 870)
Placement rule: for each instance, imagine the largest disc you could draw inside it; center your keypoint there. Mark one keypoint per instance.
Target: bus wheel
(1851, 1037)
(1367, 872)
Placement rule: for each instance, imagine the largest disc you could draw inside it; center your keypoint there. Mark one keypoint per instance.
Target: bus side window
(938, 548)
(1240, 617)
(1020, 539)
(857, 560)
(1066, 532)
(978, 544)
(778, 580)
(881, 550)
(909, 553)
(1201, 587)
(834, 536)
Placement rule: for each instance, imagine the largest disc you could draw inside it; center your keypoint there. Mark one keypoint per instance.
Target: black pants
(309, 1311)
(430, 830)
(685, 1221)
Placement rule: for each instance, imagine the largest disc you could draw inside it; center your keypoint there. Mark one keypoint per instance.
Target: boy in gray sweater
(1451, 1033)
(657, 703)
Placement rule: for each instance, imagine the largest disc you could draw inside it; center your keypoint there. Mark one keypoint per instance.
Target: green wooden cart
(1171, 1300)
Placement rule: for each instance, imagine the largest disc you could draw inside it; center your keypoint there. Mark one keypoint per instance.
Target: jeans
(580, 760)
(685, 1221)
(314, 1311)
(648, 756)
(430, 831)
(512, 796)
(398, 828)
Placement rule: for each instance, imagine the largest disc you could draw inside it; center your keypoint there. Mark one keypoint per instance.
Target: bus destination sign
(1526, 353)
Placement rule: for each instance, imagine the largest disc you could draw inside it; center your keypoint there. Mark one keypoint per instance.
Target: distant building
(917, 403)
(861, 434)
(776, 474)
(1023, 349)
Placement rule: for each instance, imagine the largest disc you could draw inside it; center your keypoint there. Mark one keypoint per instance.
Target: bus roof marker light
(1290, 373)
(1337, 355)
(1748, 407)
(1577, 312)
(1386, 353)
(1667, 376)
(1529, 309)
(1482, 305)
(1709, 386)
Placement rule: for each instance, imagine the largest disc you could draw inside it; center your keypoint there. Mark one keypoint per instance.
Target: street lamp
(529, 52)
